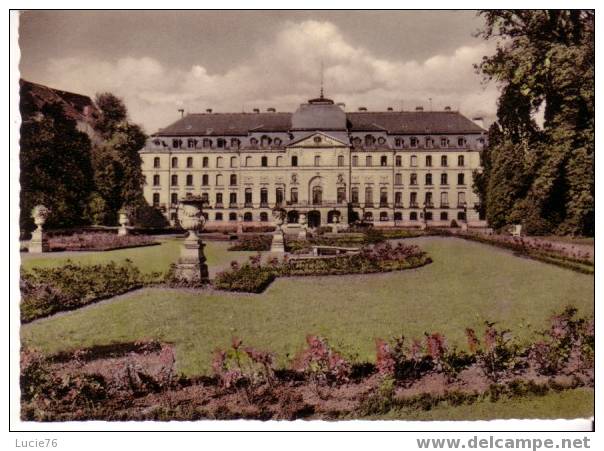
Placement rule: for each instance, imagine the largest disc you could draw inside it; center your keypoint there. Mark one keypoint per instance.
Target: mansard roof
(392, 122)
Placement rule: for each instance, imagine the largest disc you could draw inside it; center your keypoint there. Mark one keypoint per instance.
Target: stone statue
(340, 178)
(294, 178)
(123, 220)
(39, 242)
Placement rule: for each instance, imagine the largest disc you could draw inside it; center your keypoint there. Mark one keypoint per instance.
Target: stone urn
(124, 222)
(39, 241)
(278, 243)
(191, 265)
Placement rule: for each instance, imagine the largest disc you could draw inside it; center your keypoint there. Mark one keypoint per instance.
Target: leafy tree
(55, 167)
(544, 61)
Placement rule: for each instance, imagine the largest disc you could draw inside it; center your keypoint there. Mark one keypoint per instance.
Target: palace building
(407, 168)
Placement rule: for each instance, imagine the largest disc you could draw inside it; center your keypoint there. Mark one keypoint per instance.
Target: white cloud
(282, 73)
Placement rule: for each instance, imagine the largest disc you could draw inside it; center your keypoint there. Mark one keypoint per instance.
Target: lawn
(466, 284)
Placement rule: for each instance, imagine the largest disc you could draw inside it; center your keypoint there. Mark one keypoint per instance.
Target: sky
(230, 61)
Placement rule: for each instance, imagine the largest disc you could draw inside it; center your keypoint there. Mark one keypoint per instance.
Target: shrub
(253, 243)
(101, 241)
(45, 291)
(373, 236)
(246, 278)
(321, 363)
(498, 353)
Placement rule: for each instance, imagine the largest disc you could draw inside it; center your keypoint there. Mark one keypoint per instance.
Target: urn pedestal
(191, 265)
(39, 241)
(278, 243)
(123, 230)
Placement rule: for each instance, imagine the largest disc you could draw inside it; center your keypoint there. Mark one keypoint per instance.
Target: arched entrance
(292, 217)
(332, 215)
(314, 218)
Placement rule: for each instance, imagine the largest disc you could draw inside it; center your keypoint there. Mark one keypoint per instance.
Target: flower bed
(253, 277)
(97, 242)
(137, 381)
(45, 291)
(253, 243)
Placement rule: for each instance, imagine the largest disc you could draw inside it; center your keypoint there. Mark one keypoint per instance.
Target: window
(398, 142)
(461, 179)
(398, 161)
(443, 161)
(398, 216)
(264, 162)
(460, 160)
(413, 180)
(264, 216)
(253, 142)
(156, 180)
(428, 179)
(413, 200)
(444, 142)
(368, 216)
(219, 179)
(398, 178)
(383, 160)
(317, 195)
(207, 142)
(461, 199)
(219, 162)
(443, 179)
(444, 216)
(398, 198)
(248, 161)
(413, 216)
(235, 143)
(205, 198)
(293, 195)
(277, 142)
(279, 196)
(461, 142)
(189, 180)
(413, 142)
(357, 142)
(205, 180)
(461, 215)
(340, 160)
(219, 199)
(428, 199)
(233, 199)
(156, 162)
(248, 197)
(263, 197)
(384, 216)
(174, 180)
(317, 160)
(383, 197)
(176, 143)
(232, 216)
(279, 161)
(341, 195)
(355, 161)
(233, 162)
(369, 141)
(205, 162)
(265, 141)
(233, 180)
(189, 162)
(428, 216)
(444, 199)
(368, 195)
(174, 162)
(218, 217)
(247, 216)
(413, 160)
(174, 198)
(191, 143)
(220, 143)
(428, 161)
(429, 142)
(156, 200)
(368, 161)
(294, 161)
(354, 195)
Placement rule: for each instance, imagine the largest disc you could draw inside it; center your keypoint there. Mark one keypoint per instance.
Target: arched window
(264, 161)
(368, 196)
(205, 162)
(233, 180)
(340, 160)
(156, 180)
(233, 162)
(189, 180)
(218, 217)
(357, 142)
(156, 200)
(294, 161)
(264, 216)
(156, 162)
(174, 180)
(219, 179)
(383, 160)
(174, 162)
(398, 216)
(317, 195)
(398, 160)
(247, 216)
(218, 162)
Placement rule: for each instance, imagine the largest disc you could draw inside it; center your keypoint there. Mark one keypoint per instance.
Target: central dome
(319, 114)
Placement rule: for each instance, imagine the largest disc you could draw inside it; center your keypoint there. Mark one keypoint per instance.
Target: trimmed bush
(246, 278)
(101, 241)
(253, 243)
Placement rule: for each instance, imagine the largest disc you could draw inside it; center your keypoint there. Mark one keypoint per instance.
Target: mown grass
(466, 284)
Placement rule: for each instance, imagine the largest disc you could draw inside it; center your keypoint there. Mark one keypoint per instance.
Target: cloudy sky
(236, 61)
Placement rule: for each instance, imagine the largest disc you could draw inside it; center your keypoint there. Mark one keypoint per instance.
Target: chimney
(447, 108)
(419, 108)
(362, 108)
(209, 110)
(478, 120)
(390, 108)
(256, 110)
(182, 112)
(271, 110)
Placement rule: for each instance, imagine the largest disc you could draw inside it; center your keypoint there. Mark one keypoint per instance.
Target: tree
(544, 61)
(56, 169)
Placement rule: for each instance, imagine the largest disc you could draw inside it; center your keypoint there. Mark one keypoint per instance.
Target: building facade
(404, 168)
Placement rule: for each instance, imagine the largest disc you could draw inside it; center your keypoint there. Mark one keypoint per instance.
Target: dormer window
(444, 142)
(265, 141)
(207, 142)
(369, 141)
(398, 142)
(221, 143)
(253, 142)
(461, 142)
(356, 142)
(235, 143)
(277, 141)
(413, 142)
